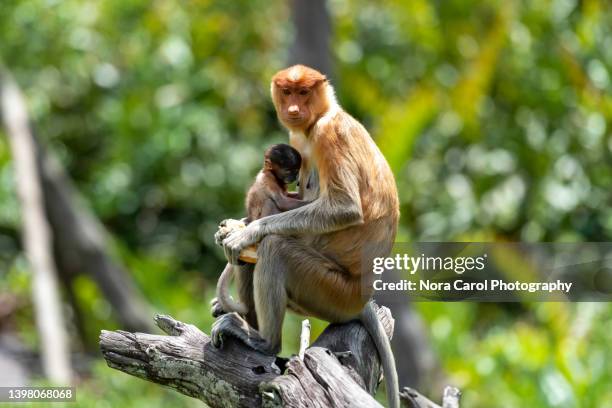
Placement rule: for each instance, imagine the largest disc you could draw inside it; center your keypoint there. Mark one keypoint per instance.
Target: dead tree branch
(340, 369)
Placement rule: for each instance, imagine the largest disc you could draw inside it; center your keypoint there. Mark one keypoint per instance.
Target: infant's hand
(226, 227)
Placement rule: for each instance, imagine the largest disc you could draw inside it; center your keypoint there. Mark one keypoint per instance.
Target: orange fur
(351, 169)
(316, 259)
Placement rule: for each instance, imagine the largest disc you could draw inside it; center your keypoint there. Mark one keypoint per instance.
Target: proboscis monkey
(316, 259)
(267, 195)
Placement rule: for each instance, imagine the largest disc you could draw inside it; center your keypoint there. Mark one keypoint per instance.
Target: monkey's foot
(216, 309)
(232, 325)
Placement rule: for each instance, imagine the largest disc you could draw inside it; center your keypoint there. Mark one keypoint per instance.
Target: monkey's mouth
(290, 179)
(295, 119)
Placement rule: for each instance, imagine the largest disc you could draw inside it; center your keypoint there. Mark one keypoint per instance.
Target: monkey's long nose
(293, 110)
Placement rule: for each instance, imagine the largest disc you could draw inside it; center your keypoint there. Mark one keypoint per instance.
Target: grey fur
(227, 302)
(383, 346)
(293, 265)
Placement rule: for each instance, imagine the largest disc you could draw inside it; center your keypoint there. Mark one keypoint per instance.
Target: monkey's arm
(339, 202)
(295, 195)
(269, 207)
(287, 203)
(323, 215)
(338, 206)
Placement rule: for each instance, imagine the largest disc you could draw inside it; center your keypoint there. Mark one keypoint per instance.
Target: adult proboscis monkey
(316, 259)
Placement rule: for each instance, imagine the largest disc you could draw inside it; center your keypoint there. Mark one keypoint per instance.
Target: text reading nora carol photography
(496, 272)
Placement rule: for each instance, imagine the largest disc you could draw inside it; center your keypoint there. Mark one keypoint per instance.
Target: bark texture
(340, 369)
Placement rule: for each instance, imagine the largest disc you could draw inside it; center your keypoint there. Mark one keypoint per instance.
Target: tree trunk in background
(417, 363)
(418, 366)
(81, 247)
(312, 35)
(36, 236)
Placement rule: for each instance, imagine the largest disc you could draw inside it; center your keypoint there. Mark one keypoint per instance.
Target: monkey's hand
(226, 227)
(241, 238)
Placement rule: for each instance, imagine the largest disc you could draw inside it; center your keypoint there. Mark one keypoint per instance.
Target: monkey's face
(286, 175)
(294, 106)
(292, 175)
(284, 161)
(297, 96)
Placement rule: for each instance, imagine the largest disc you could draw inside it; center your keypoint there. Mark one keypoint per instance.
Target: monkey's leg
(232, 324)
(269, 291)
(216, 309)
(243, 276)
(266, 291)
(289, 268)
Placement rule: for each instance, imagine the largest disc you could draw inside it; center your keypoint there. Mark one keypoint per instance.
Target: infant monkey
(267, 196)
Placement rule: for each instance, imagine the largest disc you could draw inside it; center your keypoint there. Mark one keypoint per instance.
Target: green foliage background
(495, 116)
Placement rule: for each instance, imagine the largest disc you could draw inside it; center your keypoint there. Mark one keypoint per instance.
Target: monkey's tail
(383, 346)
(228, 304)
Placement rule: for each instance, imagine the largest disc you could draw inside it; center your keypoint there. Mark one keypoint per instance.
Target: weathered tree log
(411, 398)
(341, 368)
(334, 372)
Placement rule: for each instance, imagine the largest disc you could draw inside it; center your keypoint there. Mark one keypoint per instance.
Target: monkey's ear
(267, 164)
(320, 82)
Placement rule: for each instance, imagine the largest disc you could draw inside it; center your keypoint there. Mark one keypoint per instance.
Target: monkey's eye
(304, 91)
(286, 91)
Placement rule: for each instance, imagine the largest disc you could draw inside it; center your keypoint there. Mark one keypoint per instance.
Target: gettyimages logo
(412, 264)
(492, 272)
